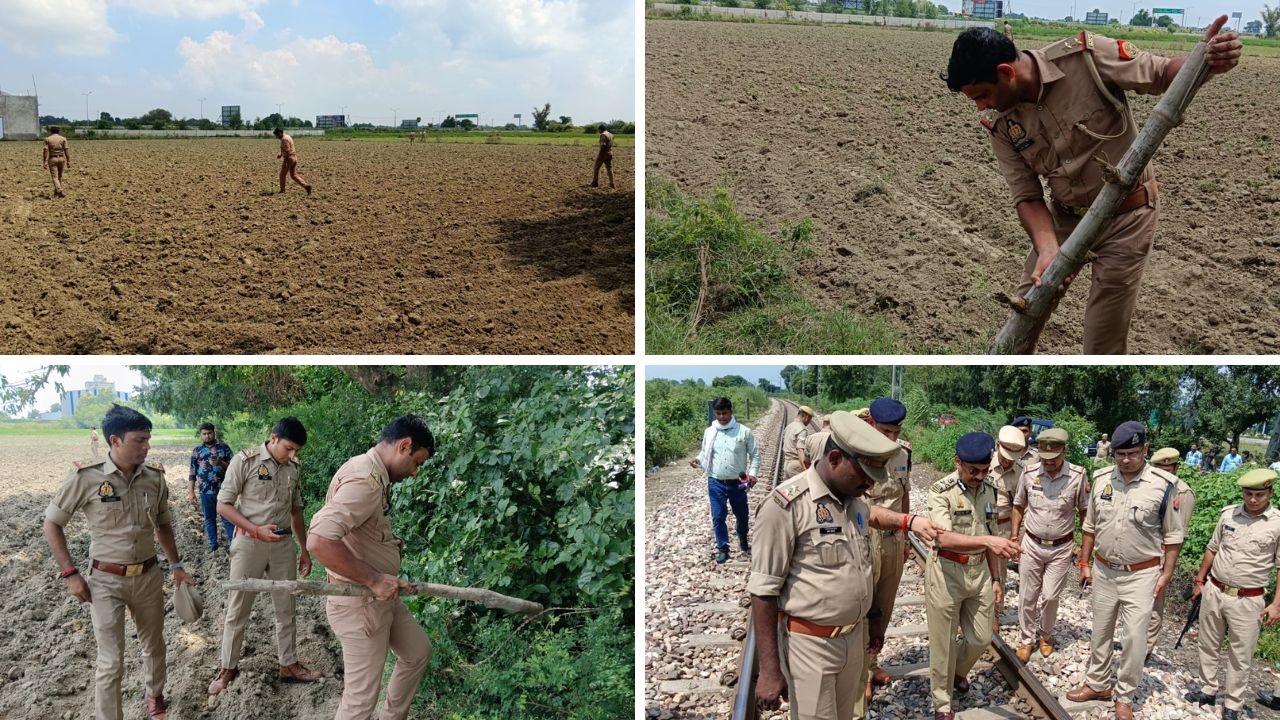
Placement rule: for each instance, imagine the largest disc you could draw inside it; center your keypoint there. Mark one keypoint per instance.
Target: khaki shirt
(889, 494)
(56, 145)
(286, 147)
(962, 511)
(1040, 139)
(812, 552)
(1104, 450)
(1050, 502)
(266, 490)
(793, 441)
(122, 513)
(1246, 548)
(606, 141)
(1125, 516)
(1006, 482)
(357, 512)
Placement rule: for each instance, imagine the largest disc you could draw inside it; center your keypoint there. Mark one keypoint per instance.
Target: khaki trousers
(603, 159)
(822, 673)
(1042, 572)
(1004, 529)
(886, 571)
(56, 166)
(793, 468)
(1157, 621)
(1120, 599)
(144, 597)
(256, 559)
(367, 628)
(1238, 619)
(1116, 275)
(957, 597)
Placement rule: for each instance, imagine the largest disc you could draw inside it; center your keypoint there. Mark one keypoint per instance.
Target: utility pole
(393, 116)
(895, 383)
(202, 107)
(86, 106)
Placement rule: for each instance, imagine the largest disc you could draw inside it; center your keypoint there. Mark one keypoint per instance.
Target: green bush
(676, 415)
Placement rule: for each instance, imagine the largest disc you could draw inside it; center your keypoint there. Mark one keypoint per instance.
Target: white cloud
(502, 28)
(30, 27)
(252, 21)
(196, 9)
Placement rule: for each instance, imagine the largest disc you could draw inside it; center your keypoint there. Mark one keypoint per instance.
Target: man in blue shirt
(731, 460)
(1194, 456)
(1231, 461)
(209, 462)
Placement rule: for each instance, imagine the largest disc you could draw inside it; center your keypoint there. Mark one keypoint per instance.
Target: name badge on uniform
(107, 492)
(964, 513)
(829, 531)
(1227, 528)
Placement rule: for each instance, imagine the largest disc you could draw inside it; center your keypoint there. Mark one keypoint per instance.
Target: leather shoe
(1124, 711)
(1024, 654)
(1230, 714)
(880, 677)
(1084, 693)
(220, 683)
(297, 673)
(1201, 697)
(722, 554)
(745, 547)
(1046, 646)
(156, 707)
(944, 716)
(961, 684)
(1268, 699)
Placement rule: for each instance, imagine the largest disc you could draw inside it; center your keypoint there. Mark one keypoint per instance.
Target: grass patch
(160, 437)
(480, 137)
(676, 415)
(715, 283)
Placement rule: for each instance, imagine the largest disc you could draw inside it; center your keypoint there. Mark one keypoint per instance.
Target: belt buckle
(1231, 591)
(845, 629)
(1117, 566)
(133, 570)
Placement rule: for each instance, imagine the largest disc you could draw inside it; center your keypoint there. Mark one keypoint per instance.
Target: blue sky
(709, 372)
(383, 59)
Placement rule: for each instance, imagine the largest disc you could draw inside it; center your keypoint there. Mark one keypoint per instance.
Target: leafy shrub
(676, 414)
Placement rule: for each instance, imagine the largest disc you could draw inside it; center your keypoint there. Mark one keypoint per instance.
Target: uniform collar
(819, 489)
(110, 468)
(1269, 513)
(266, 455)
(1064, 471)
(1048, 71)
(379, 469)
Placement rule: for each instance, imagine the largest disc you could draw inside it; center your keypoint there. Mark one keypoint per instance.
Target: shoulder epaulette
(943, 485)
(906, 445)
(294, 461)
(1104, 472)
(990, 126)
(1068, 46)
(992, 482)
(248, 453)
(1228, 509)
(156, 466)
(81, 465)
(786, 493)
(1032, 467)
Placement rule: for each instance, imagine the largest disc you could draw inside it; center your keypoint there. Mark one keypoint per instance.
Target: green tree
(449, 122)
(540, 117)
(728, 381)
(1142, 18)
(1229, 400)
(90, 409)
(761, 4)
(235, 121)
(788, 374)
(1164, 21)
(466, 124)
(19, 393)
(1271, 20)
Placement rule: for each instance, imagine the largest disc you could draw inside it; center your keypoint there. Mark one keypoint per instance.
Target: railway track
(1028, 697)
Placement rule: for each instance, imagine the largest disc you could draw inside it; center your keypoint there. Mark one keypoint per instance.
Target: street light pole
(86, 106)
(393, 116)
(202, 107)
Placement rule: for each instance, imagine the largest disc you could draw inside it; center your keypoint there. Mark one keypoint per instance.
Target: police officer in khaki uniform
(1168, 459)
(93, 441)
(351, 535)
(1050, 494)
(56, 156)
(1007, 465)
(605, 158)
(1237, 565)
(1029, 456)
(262, 496)
(793, 442)
(888, 546)
(961, 585)
(1131, 537)
(289, 161)
(1059, 108)
(1104, 449)
(126, 505)
(810, 578)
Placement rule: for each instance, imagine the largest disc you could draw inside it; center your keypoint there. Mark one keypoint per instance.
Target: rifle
(1192, 615)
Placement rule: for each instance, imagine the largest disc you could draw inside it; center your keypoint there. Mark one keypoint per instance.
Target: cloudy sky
(379, 58)
(1198, 13)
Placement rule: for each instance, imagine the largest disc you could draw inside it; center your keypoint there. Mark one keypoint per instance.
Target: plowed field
(852, 127)
(181, 246)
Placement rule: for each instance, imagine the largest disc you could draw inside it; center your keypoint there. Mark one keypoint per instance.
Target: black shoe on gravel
(745, 547)
(1230, 714)
(1268, 700)
(722, 554)
(1199, 696)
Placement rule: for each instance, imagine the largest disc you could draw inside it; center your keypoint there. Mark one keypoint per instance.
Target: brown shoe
(308, 190)
(1084, 693)
(1046, 646)
(943, 716)
(1024, 654)
(296, 673)
(1124, 711)
(156, 707)
(880, 677)
(961, 684)
(220, 683)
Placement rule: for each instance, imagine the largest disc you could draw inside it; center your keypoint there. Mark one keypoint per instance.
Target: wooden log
(1030, 313)
(488, 598)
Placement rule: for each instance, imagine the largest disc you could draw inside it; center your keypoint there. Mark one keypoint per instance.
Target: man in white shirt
(731, 460)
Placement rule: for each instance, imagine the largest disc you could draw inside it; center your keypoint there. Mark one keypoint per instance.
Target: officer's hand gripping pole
(488, 598)
(1030, 313)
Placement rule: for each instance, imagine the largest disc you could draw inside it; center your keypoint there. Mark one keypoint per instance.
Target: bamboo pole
(1031, 312)
(488, 598)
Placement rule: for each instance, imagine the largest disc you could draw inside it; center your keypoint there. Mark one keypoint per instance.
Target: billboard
(1096, 18)
(331, 121)
(988, 9)
(1157, 12)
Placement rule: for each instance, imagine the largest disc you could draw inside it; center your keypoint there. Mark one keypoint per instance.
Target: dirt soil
(47, 651)
(182, 246)
(851, 127)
